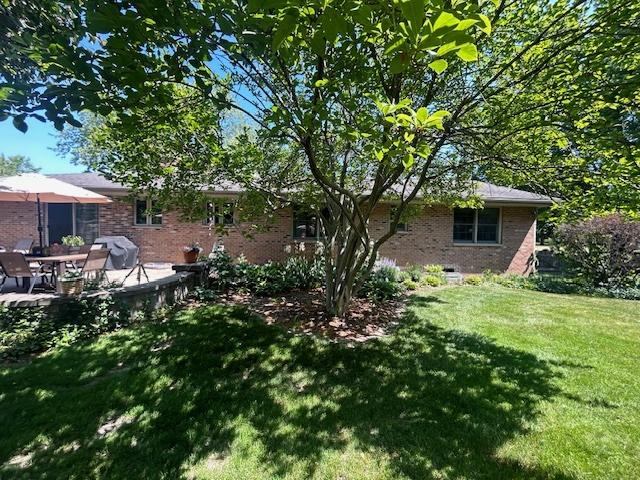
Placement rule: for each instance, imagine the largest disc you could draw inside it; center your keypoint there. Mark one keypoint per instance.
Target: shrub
(604, 251)
(410, 284)
(383, 283)
(473, 280)
(434, 280)
(222, 271)
(511, 280)
(434, 268)
(413, 272)
(380, 286)
(302, 273)
(31, 330)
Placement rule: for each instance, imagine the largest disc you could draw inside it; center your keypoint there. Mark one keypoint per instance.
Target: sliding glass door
(72, 219)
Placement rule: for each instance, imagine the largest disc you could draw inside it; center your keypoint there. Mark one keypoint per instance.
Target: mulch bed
(303, 313)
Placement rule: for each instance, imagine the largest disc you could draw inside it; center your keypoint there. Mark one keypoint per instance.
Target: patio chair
(95, 262)
(14, 265)
(24, 245)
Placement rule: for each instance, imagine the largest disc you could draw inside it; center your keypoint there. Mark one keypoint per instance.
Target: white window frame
(148, 217)
(218, 215)
(475, 242)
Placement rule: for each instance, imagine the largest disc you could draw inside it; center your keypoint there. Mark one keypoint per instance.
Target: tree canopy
(15, 164)
(347, 102)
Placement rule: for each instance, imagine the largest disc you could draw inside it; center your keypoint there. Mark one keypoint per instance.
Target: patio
(12, 295)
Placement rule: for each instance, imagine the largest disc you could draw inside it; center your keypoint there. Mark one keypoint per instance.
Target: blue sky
(36, 144)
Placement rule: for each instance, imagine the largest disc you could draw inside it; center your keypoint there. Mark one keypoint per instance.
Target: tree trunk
(344, 261)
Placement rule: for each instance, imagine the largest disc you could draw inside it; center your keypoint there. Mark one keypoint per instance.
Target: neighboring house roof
(487, 191)
(88, 180)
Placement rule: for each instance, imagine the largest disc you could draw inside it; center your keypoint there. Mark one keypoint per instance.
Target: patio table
(58, 264)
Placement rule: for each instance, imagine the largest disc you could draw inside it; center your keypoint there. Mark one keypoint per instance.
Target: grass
(479, 382)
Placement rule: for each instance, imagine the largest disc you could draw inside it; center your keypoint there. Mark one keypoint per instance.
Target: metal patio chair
(95, 263)
(14, 265)
(24, 246)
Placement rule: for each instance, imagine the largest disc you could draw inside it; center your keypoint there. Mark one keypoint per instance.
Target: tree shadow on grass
(146, 403)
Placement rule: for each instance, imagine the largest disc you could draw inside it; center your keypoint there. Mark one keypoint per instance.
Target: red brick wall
(429, 239)
(18, 220)
(164, 242)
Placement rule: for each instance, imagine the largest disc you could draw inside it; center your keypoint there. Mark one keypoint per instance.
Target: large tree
(359, 101)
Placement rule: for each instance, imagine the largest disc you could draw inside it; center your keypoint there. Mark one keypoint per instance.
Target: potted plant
(191, 252)
(71, 283)
(73, 242)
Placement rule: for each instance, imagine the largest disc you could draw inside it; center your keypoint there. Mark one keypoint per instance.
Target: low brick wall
(156, 294)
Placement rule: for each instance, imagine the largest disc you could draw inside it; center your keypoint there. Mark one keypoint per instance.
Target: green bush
(410, 284)
(31, 330)
(434, 280)
(222, 271)
(473, 280)
(380, 287)
(602, 250)
(304, 274)
(434, 268)
(413, 272)
(512, 280)
(383, 283)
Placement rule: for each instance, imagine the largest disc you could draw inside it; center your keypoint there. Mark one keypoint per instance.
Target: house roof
(487, 191)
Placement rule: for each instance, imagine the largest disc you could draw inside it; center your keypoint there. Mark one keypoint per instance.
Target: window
(87, 221)
(402, 226)
(219, 213)
(146, 213)
(476, 226)
(305, 225)
(72, 219)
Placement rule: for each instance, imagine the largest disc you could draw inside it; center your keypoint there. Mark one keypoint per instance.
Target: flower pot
(74, 250)
(72, 287)
(191, 256)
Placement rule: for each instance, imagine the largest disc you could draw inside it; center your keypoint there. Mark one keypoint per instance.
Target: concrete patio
(11, 295)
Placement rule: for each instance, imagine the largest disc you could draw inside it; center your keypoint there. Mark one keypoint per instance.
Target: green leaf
(20, 124)
(422, 114)
(424, 150)
(333, 24)
(468, 52)
(413, 10)
(286, 27)
(466, 23)
(149, 21)
(486, 28)
(445, 19)
(321, 83)
(394, 45)
(398, 64)
(379, 154)
(73, 122)
(438, 66)
(446, 48)
(408, 161)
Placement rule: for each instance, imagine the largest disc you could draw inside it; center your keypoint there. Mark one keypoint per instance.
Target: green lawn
(479, 382)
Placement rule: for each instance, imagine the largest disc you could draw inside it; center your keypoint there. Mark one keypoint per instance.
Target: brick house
(500, 237)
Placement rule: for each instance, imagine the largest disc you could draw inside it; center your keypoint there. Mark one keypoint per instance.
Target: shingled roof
(487, 191)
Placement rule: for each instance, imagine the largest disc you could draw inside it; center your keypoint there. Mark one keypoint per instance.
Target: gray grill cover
(124, 253)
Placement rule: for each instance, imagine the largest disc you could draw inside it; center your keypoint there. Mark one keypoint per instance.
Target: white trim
(149, 216)
(474, 242)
